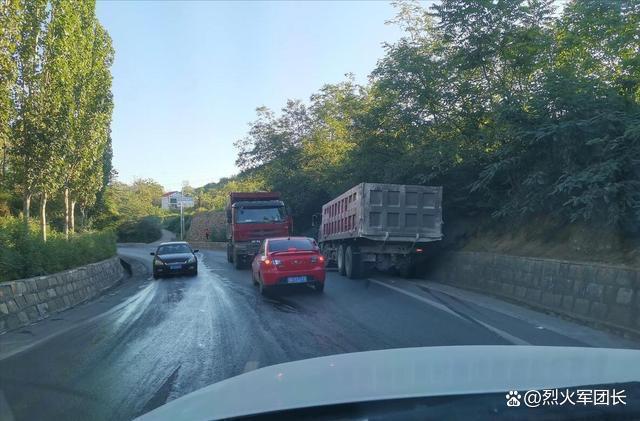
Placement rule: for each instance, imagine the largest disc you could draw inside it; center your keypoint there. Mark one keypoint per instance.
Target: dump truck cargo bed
(384, 212)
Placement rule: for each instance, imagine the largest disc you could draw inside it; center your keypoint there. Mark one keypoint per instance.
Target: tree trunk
(82, 217)
(43, 216)
(26, 208)
(66, 212)
(72, 216)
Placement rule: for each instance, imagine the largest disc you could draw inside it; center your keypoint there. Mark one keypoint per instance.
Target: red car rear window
(284, 245)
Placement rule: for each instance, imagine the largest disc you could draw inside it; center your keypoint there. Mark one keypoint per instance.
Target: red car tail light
(316, 259)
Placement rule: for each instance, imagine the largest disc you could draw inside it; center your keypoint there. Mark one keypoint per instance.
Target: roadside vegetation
(55, 146)
(133, 211)
(23, 254)
(521, 111)
(144, 230)
(172, 222)
(55, 108)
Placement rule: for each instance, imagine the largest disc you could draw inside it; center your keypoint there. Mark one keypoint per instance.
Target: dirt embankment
(542, 237)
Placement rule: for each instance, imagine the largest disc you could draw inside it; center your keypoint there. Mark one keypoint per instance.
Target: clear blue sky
(188, 76)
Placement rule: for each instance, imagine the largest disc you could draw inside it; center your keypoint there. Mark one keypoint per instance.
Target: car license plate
(175, 267)
(297, 279)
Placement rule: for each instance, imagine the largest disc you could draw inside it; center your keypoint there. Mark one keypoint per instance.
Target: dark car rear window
(298, 244)
(173, 249)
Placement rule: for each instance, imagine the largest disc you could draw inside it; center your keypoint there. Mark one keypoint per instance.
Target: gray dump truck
(380, 226)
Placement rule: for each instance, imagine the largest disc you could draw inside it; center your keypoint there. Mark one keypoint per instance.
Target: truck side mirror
(229, 216)
(314, 220)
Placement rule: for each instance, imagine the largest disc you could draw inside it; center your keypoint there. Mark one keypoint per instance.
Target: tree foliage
(55, 103)
(517, 109)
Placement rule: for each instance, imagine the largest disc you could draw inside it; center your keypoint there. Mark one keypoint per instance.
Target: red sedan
(286, 261)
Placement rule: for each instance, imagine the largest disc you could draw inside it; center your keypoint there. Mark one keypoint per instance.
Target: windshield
(259, 215)
(173, 249)
(295, 244)
(287, 196)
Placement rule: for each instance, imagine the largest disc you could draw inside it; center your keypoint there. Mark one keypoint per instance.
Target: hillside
(543, 238)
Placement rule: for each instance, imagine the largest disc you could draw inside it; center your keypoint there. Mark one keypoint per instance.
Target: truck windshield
(259, 215)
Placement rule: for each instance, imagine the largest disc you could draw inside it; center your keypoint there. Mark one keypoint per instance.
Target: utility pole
(184, 184)
(181, 217)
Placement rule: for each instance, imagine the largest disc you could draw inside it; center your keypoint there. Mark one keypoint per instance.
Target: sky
(188, 76)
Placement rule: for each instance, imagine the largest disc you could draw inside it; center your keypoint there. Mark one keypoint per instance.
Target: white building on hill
(171, 200)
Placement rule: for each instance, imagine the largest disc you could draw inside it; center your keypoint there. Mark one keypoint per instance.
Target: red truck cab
(251, 218)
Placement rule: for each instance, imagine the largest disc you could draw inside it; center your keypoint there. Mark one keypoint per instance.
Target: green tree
(515, 109)
(93, 107)
(26, 146)
(134, 201)
(577, 158)
(103, 211)
(9, 36)
(60, 102)
(61, 54)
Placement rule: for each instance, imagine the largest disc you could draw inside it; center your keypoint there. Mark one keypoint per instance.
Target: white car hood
(402, 373)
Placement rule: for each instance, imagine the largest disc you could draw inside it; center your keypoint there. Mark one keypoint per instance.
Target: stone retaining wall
(25, 301)
(214, 221)
(592, 292)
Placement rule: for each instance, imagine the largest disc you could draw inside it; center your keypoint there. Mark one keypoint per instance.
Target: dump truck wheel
(237, 260)
(340, 260)
(352, 263)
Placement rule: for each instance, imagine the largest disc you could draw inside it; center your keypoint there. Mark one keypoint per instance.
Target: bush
(172, 223)
(23, 254)
(145, 230)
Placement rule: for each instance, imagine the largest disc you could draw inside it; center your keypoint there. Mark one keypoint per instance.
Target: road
(146, 341)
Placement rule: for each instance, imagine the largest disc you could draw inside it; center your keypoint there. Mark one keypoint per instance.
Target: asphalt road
(149, 341)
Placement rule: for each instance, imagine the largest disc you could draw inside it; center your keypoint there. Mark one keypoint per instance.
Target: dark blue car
(174, 258)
